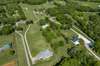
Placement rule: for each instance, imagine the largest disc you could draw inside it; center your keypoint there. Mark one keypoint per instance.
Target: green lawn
(36, 41)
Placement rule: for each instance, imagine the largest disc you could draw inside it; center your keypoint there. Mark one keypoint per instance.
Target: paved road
(22, 38)
(27, 45)
(27, 41)
(86, 43)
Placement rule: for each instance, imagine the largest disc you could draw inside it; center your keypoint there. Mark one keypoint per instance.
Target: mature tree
(7, 30)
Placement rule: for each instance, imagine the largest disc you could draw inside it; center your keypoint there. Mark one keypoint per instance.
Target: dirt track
(11, 63)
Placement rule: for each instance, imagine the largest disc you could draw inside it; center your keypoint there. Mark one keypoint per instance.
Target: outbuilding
(75, 39)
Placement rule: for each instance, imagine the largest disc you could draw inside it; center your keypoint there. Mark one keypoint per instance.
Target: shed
(75, 39)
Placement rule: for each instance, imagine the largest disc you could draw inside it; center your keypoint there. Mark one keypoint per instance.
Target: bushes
(60, 13)
(49, 35)
(6, 30)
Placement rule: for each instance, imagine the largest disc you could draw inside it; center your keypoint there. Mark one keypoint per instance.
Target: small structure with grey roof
(6, 46)
(75, 39)
(43, 55)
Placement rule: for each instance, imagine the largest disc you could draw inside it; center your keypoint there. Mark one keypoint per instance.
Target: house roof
(75, 39)
(44, 54)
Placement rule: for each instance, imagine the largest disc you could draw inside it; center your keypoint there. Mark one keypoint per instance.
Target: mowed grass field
(6, 56)
(37, 42)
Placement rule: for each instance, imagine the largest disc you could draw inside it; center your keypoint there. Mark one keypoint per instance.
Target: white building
(42, 55)
(75, 39)
(45, 26)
